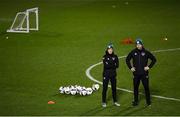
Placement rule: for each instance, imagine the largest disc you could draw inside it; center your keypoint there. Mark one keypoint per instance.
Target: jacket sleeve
(128, 59)
(117, 62)
(153, 59)
(106, 64)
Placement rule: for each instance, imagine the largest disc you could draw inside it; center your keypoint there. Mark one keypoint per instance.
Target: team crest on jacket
(135, 53)
(143, 54)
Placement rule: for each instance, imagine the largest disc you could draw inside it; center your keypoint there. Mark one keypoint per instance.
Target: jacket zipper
(139, 58)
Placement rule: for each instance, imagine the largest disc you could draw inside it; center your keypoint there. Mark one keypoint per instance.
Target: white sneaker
(104, 105)
(117, 104)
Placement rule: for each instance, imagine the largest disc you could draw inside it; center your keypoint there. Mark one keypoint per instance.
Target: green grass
(73, 35)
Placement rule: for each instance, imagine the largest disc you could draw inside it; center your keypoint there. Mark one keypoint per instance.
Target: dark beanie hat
(139, 41)
(110, 45)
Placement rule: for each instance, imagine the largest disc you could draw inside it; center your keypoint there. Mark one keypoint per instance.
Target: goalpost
(25, 21)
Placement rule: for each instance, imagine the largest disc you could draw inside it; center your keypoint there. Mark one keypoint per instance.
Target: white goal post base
(18, 25)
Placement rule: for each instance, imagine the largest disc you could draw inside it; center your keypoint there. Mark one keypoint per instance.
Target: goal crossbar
(25, 21)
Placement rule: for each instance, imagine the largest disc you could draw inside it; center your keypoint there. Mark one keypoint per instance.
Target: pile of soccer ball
(78, 90)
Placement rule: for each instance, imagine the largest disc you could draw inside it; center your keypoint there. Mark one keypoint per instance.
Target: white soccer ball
(79, 89)
(84, 88)
(61, 89)
(67, 90)
(95, 87)
(83, 92)
(71, 87)
(75, 86)
(89, 91)
(73, 91)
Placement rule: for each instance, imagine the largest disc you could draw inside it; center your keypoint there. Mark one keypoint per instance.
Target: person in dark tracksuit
(111, 63)
(140, 68)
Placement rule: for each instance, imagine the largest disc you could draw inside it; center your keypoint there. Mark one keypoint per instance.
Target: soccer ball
(83, 92)
(73, 91)
(67, 90)
(89, 91)
(95, 87)
(79, 89)
(83, 88)
(61, 89)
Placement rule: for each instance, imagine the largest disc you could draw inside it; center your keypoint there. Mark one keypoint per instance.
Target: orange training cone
(51, 102)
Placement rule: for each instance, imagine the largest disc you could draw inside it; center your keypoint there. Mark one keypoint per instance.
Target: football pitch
(73, 36)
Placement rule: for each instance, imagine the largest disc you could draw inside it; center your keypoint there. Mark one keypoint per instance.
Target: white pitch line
(88, 74)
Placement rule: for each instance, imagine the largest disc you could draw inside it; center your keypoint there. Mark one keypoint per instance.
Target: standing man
(111, 63)
(140, 68)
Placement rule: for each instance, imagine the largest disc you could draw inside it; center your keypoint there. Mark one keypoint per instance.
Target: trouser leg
(113, 86)
(105, 87)
(136, 82)
(145, 82)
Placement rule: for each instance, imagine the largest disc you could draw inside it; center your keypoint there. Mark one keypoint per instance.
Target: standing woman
(111, 63)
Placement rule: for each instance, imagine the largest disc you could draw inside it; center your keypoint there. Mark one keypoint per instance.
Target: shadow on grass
(95, 110)
(119, 94)
(129, 111)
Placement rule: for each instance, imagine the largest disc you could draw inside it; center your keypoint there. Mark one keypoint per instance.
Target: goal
(25, 21)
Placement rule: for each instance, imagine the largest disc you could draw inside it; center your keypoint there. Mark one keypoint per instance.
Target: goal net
(25, 21)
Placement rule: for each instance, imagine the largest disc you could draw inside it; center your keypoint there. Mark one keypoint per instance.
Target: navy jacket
(140, 60)
(111, 63)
